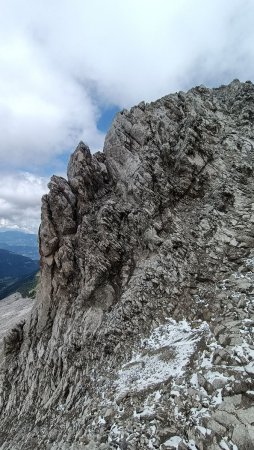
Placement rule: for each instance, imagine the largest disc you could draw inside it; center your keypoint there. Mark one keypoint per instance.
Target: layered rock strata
(142, 332)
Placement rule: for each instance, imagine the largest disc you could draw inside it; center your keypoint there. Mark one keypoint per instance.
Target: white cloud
(43, 111)
(20, 200)
(61, 60)
(55, 55)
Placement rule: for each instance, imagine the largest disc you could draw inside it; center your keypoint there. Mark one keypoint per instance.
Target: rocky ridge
(142, 332)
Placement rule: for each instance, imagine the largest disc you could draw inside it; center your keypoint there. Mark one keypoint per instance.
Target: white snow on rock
(244, 352)
(162, 356)
(174, 441)
(223, 445)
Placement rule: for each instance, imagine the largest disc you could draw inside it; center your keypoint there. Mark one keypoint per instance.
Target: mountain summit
(141, 335)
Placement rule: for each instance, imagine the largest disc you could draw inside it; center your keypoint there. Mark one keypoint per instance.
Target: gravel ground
(13, 309)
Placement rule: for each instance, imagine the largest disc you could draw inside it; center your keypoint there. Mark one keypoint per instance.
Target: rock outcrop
(142, 332)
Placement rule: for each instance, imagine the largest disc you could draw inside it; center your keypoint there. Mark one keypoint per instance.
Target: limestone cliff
(141, 335)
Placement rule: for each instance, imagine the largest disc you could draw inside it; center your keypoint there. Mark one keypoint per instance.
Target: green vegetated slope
(17, 273)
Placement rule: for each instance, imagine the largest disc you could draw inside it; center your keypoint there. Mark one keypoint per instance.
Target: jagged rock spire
(147, 272)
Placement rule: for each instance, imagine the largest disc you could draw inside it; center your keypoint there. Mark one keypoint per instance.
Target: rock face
(142, 332)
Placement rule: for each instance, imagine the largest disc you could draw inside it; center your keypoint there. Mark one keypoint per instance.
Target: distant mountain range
(25, 244)
(18, 262)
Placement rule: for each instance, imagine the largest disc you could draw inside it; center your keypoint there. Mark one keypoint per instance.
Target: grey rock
(249, 369)
(246, 416)
(225, 419)
(155, 229)
(235, 400)
(243, 436)
(217, 427)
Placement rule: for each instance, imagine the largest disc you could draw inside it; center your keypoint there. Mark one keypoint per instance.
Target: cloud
(20, 198)
(43, 111)
(60, 61)
(63, 62)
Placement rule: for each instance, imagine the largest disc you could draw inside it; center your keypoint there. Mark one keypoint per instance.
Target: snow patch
(204, 431)
(211, 376)
(101, 421)
(174, 441)
(162, 356)
(223, 445)
(194, 380)
(217, 398)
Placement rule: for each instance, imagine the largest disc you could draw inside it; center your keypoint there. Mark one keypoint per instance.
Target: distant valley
(25, 244)
(18, 263)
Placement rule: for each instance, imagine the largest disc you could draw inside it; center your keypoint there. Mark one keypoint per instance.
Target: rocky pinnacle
(141, 336)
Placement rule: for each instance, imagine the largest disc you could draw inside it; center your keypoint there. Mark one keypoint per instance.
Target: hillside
(14, 270)
(141, 336)
(13, 309)
(25, 286)
(25, 244)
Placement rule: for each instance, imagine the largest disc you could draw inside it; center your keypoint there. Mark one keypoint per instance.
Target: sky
(67, 67)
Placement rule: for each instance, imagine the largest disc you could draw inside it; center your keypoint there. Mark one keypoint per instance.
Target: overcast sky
(67, 66)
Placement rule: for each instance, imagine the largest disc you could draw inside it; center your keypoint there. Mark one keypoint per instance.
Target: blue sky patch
(106, 118)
